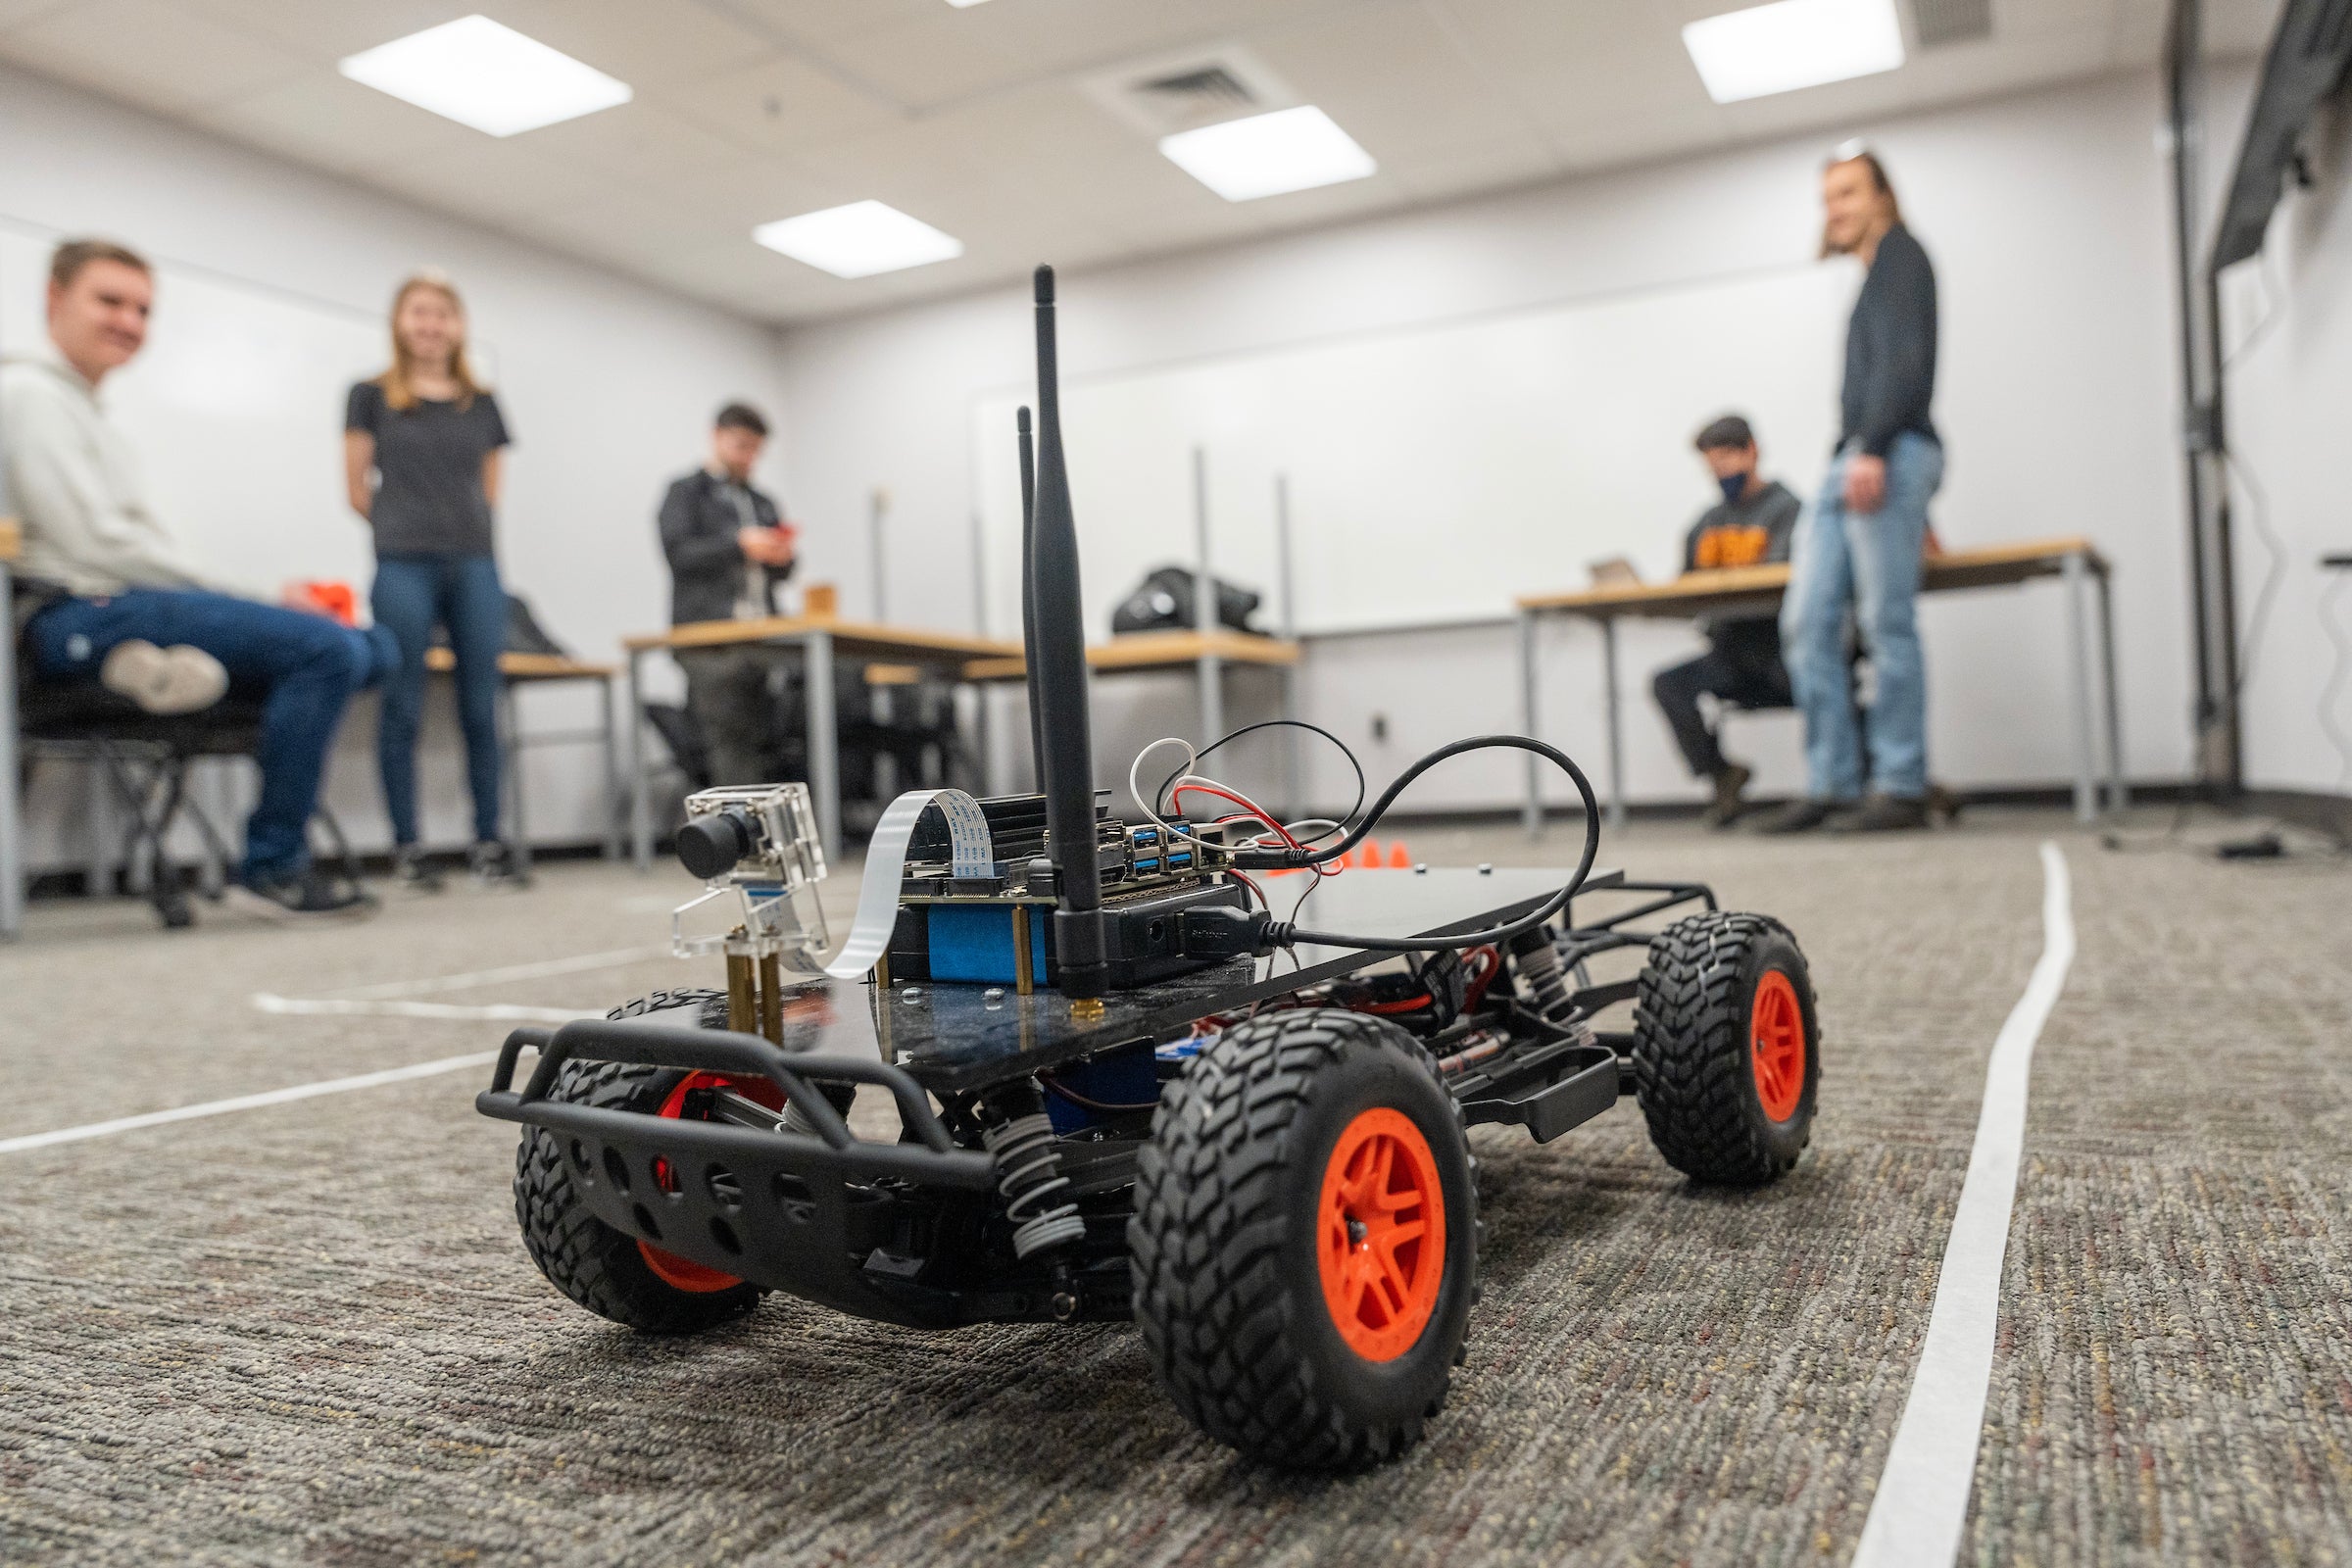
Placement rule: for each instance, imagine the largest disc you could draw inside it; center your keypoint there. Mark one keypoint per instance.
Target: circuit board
(960, 1036)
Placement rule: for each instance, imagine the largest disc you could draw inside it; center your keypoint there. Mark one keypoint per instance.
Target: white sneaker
(163, 680)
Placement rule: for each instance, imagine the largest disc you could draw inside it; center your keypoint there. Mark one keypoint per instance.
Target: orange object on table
(334, 599)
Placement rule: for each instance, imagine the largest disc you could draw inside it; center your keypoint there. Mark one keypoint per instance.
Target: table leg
(2119, 794)
(1531, 815)
(510, 746)
(1608, 676)
(12, 808)
(984, 737)
(1211, 676)
(641, 826)
(2077, 690)
(611, 792)
(1293, 753)
(99, 844)
(824, 739)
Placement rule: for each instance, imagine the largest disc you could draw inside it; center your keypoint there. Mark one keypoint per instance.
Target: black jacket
(699, 524)
(1891, 348)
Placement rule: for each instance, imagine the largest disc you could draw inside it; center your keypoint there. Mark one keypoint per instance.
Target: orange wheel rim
(684, 1273)
(1776, 1046)
(1380, 1234)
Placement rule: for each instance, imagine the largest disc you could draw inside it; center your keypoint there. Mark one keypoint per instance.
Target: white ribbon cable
(971, 847)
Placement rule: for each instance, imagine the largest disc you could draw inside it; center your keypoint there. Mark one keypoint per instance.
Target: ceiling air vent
(1169, 93)
(1948, 22)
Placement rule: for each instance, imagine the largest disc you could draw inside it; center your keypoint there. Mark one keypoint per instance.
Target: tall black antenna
(1037, 737)
(1057, 683)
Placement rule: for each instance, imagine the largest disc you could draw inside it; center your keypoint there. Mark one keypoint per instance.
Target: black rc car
(1123, 1088)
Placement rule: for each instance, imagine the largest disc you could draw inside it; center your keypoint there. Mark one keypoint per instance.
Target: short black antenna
(1057, 683)
(1037, 737)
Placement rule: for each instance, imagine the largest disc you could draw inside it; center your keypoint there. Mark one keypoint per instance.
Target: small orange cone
(1399, 857)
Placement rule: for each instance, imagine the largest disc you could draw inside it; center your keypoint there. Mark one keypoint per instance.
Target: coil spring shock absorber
(1537, 964)
(1029, 1173)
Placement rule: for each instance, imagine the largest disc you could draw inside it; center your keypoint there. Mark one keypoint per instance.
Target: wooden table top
(1992, 567)
(900, 644)
(12, 540)
(528, 666)
(1156, 650)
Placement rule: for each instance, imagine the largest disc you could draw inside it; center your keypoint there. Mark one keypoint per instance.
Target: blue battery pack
(974, 941)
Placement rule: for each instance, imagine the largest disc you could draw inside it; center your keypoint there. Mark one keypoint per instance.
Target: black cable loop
(1282, 935)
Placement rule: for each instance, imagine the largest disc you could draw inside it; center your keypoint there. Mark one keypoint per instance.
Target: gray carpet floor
(307, 1334)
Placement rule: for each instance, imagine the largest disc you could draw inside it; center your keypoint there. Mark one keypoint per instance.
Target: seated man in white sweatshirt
(111, 598)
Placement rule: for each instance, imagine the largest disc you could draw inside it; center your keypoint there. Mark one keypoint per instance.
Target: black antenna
(1037, 737)
(1057, 683)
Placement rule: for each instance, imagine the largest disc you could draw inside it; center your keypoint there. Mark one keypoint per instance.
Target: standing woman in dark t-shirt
(421, 447)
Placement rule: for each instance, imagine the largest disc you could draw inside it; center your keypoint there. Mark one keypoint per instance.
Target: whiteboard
(1434, 473)
(235, 409)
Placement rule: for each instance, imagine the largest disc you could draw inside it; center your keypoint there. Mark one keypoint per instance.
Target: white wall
(609, 385)
(2288, 327)
(2046, 217)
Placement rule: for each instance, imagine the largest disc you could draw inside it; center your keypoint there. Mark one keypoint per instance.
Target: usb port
(1144, 835)
(1178, 861)
(1146, 867)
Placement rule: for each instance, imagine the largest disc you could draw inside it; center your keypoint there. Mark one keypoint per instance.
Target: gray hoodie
(88, 527)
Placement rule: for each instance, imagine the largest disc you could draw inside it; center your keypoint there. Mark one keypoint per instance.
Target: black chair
(914, 727)
(144, 758)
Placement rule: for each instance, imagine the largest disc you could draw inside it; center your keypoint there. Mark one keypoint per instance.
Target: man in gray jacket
(728, 548)
(112, 599)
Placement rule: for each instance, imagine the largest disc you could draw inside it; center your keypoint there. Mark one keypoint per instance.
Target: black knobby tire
(1694, 1067)
(602, 1269)
(1223, 1242)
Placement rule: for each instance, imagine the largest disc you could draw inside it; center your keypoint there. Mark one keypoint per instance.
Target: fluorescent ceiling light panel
(858, 240)
(960, 4)
(1792, 45)
(489, 76)
(1266, 155)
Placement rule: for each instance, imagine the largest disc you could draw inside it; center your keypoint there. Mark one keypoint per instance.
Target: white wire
(1135, 787)
(1261, 841)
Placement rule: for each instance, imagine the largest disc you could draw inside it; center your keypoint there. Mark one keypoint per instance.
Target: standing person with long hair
(1861, 542)
(421, 447)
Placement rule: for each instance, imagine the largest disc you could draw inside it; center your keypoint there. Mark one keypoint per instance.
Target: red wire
(1246, 805)
(1409, 1005)
(1486, 976)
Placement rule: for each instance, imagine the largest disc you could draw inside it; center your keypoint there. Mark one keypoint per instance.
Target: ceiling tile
(780, 105)
(1089, 35)
(323, 31)
(1394, 77)
(336, 123)
(149, 53)
(935, 58)
(755, 188)
(645, 45)
(16, 13)
(826, 21)
(639, 141)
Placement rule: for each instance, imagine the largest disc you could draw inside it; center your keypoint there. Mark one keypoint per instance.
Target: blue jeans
(1870, 560)
(303, 668)
(412, 595)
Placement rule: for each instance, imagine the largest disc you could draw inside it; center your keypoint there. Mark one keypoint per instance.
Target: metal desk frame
(819, 642)
(2077, 562)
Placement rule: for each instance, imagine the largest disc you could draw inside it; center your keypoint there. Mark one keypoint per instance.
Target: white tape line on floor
(491, 1011)
(271, 1097)
(1922, 1501)
(491, 977)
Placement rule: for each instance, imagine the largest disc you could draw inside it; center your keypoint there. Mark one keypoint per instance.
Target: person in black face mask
(1741, 666)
